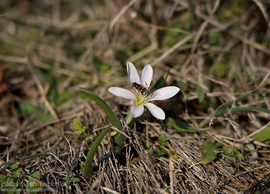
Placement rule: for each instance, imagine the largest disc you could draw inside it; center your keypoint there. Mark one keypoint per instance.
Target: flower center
(142, 97)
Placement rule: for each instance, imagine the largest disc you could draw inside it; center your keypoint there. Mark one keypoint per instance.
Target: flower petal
(165, 93)
(123, 93)
(147, 75)
(155, 111)
(137, 111)
(133, 75)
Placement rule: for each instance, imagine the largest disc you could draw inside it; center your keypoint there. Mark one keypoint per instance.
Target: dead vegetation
(51, 48)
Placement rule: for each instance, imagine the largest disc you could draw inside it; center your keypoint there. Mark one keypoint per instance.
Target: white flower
(142, 96)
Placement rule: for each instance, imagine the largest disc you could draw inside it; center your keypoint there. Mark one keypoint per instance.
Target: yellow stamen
(142, 98)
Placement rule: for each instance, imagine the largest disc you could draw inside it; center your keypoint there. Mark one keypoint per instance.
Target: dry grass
(51, 48)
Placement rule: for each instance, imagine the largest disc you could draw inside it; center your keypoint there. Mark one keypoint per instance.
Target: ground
(215, 138)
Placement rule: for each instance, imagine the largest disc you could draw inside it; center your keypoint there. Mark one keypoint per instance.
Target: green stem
(147, 135)
(130, 120)
(91, 153)
(119, 139)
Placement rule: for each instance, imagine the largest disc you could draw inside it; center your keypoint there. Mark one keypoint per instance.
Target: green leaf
(181, 84)
(229, 151)
(258, 109)
(15, 166)
(16, 171)
(27, 108)
(200, 93)
(77, 124)
(180, 127)
(224, 110)
(36, 174)
(82, 167)
(9, 184)
(9, 180)
(2, 177)
(209, 152)
(112, 117)
(67, 178)
(91, 153)
(118, 139)
(162, 140)
(263, 136)
(71, 179)
(172, 152)
(81, 130)
(221, 143)
(161, 80)
(34, 186)
(227, 107)
(45, 118)
(160, 152)
(74, 179)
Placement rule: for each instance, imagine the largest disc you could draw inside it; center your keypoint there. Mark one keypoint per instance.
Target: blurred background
(50, 48)
(216, 51)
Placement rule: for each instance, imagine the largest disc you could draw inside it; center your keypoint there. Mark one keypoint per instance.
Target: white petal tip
(136, 111)
(156, 111)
